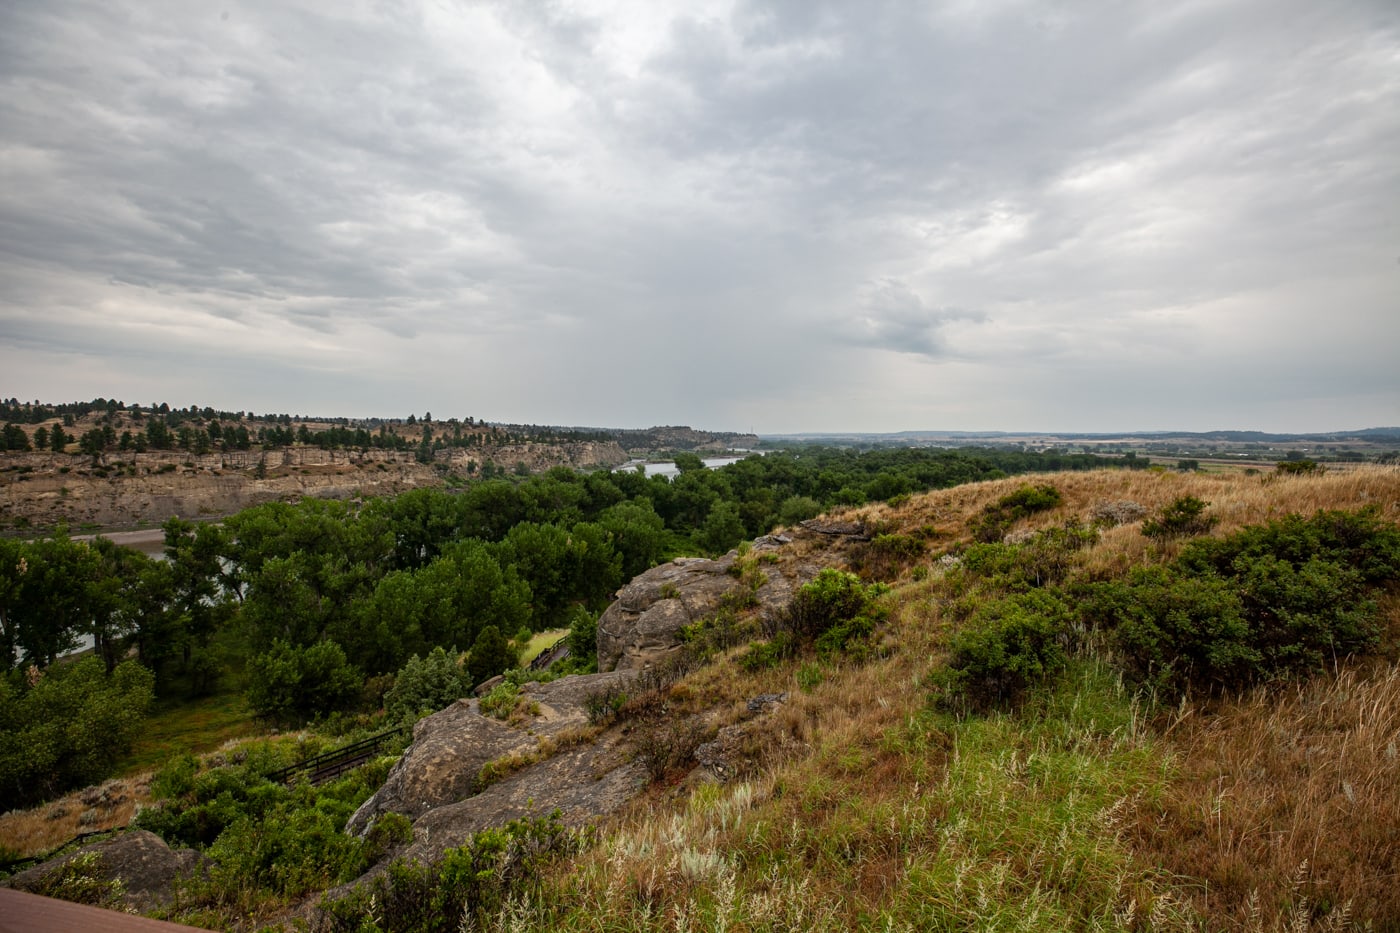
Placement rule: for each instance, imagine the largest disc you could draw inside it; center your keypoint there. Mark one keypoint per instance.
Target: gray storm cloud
(788, 216)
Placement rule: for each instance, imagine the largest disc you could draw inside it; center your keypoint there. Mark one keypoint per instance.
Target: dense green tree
(158, 435)
(490, 509)
(425, 685)
(489, 592)
(68, 727)
(491, 654)
(421, 521)
(13, 567)
(55, 588)
(292, 684)
(14, 438)
(723, 528)
(562, 567)
(796, 509)
(202, 589)
(687, 462)
(445, 603)
(637, 533)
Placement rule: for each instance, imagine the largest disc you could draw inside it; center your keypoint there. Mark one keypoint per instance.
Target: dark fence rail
(327, 765)
(555, 652)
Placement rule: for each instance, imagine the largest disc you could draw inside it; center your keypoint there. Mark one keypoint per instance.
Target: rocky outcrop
(81, 497)
(537, 457)
(582, 782)
(835, 528)
(442, 768)
(733, 751)
(643, 625)
(146, 867)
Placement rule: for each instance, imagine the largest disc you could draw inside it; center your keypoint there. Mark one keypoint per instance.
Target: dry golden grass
(1287, 802)
(1237, 500)
(110, 805)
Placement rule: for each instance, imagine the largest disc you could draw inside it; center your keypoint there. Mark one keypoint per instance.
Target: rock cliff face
(150, 487)
(44, 500)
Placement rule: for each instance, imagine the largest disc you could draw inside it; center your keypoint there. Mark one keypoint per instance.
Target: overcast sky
(783, 216)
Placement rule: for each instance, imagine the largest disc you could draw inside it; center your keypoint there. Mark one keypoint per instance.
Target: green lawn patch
(539, 643)
(178, 726)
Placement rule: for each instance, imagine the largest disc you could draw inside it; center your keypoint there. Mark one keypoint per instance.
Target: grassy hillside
(1077, 788)
(1086, 806)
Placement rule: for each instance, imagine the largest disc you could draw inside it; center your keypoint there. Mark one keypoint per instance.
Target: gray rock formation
(643, 626)
(441, 767)
(583, 782)
(835, 528)
(145, 865)
(436, 783)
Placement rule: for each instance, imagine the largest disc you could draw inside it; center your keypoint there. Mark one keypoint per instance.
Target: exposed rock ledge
(436, 783)
(643, 626)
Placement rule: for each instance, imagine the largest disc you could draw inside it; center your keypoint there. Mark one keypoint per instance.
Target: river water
(149, 541)
(668, 469)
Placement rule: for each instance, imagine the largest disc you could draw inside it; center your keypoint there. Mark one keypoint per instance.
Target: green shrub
(795, 509)
(1043, 559)
(69, 728)
(388, 831)
(463, 890)
(82, 880)
(848, 636)
(291, 685)
(602, 704)
(267, 841)
(1359, 540)
(1301, 617)
(491, 654)
(293, 851)
(719, 631)
(425, 685)
(1008, 646)
(1175, 630)
(1299, 468)
(501, 701)
(583, 635)
(763, 655)
(834, 596)
(887, 554)
(1267, 601)
(998, 516)
(1182, 518)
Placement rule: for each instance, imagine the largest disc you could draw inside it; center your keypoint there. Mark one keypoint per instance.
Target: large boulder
(643, 626)
(146, 867)
(583, 782)
(450, 747)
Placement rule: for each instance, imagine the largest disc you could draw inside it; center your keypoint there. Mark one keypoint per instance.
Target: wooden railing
(327, 765)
